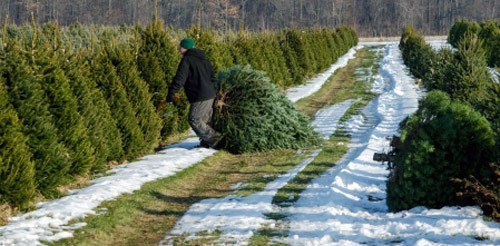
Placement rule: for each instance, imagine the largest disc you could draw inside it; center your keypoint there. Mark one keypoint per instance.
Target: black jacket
(197, 77)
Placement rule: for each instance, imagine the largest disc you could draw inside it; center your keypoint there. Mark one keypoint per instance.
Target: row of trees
(74, 99)
(451, 146)
(369, 17)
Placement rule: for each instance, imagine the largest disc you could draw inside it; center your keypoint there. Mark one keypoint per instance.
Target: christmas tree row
(450, 152)
(75, 99)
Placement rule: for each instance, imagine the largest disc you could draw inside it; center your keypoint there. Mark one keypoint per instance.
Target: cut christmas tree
(252, 114)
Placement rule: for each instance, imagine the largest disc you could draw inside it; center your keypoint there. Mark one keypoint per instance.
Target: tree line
(450, 151)
(368, 17)
(74, 100)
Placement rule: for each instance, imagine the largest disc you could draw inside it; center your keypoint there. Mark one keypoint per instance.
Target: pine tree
(17, 181)
(64, 108)
(332, 54)
(92, 106)
(461, 29)
(467, 78)
(296, 72)
(50, 155)
(279, 61)
(254, 115)
(157, 60)
(239, 48)
(443, 140)
(296, 43)
(108, 81)
(138, 94)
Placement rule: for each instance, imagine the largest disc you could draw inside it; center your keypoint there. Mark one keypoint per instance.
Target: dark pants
(200, 117)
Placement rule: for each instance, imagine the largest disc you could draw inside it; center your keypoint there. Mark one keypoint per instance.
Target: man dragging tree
(197, 77)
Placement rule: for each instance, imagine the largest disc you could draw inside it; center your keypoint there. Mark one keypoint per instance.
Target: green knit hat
(187, 43)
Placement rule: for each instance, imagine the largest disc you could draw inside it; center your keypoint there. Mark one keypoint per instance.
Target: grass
(341, 86)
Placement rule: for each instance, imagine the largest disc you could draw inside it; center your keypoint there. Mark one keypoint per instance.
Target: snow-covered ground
(440, 44)
(313, 85)
(239, 217)
(495, 75)
(347, 205)
(50, 221)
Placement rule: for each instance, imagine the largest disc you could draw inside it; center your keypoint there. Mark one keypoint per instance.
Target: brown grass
(6, 211)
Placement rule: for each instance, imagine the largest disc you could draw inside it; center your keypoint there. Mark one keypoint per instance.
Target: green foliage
(50, 155)
(96, 114)
(138, 95)
(206, 41)
(292, 60)
(157, 62)
(108, 81)
(64, 107)
(443, 140)
(488, 32)
(298, 45)
(16, 168)
(157, 59)
(462, 28)
(417, 55)
(468, 78)
(253, 115)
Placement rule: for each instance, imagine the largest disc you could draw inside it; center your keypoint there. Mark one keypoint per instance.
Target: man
(197, 77)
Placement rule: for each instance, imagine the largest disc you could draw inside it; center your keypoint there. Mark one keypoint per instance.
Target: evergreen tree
(240, 48)
(332, 54)
(443, 140)
(108, 81)
(256, 55)
(138, 94)
(226, 59)
(64, 108)
(462, 28)
(103, 131)
(279, 61)
(296, 72)
(17, 182)
(253, 115)
(50, 155)
(157, 60)
(468, 78)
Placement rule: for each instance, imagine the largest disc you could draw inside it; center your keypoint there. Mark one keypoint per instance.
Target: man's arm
(179, 80)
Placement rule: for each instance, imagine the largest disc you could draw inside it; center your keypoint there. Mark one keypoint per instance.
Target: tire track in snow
(347, 206)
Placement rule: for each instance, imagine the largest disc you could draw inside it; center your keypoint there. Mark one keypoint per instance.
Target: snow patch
(495, 74)
(440, 44)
